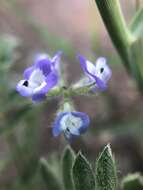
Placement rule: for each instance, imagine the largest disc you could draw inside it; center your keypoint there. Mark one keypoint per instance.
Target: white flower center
(102, 70)
(71, 123)
(36, 81)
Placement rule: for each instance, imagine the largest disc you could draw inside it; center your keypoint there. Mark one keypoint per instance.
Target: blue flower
(40, 77)
(72, 124)
(100, 73)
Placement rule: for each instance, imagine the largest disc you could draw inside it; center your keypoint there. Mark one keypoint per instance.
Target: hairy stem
(112, 16)
(124, 39)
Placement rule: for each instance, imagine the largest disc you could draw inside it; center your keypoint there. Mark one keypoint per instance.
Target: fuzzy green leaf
(67, 163)
(136, 25)
(133, 182)
(106, 171)
(48, 175)
(82, 174)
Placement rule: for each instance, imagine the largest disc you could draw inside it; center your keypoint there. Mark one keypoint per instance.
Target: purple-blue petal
(43, 64)
(56, 58)
(85, 121)
(56, 130)
(23, 91)
(38, 97)
(83, 64)
(51, 81)
(28, 72)
(100, 84)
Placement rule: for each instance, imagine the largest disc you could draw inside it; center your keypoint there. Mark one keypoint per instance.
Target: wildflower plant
(45, 80)
(44, 77)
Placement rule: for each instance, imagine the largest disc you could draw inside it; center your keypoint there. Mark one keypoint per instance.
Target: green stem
(125, 40)
(84, 90)
(136, 25)
(112, 16)
(136, 58)
(67, 93)
(54, 93)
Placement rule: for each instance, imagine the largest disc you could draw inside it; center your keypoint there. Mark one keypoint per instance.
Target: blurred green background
(28, 27)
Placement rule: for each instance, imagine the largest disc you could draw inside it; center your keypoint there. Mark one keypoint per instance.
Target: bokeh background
(28, 27)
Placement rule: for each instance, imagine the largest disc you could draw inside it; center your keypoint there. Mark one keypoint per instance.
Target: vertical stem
(123, 38)
(136, 58)
(112, 16)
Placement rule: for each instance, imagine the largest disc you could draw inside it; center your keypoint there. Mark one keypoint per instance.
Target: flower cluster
(44, 75)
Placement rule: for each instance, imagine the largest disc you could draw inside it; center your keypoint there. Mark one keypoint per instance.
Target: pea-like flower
(100, 72)
(72, 124)
(41, 77)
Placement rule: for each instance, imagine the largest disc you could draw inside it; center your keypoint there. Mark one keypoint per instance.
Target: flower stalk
(112, 16)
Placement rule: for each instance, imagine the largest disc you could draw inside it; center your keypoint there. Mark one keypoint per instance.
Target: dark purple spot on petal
(25, 83)
(101, 70)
